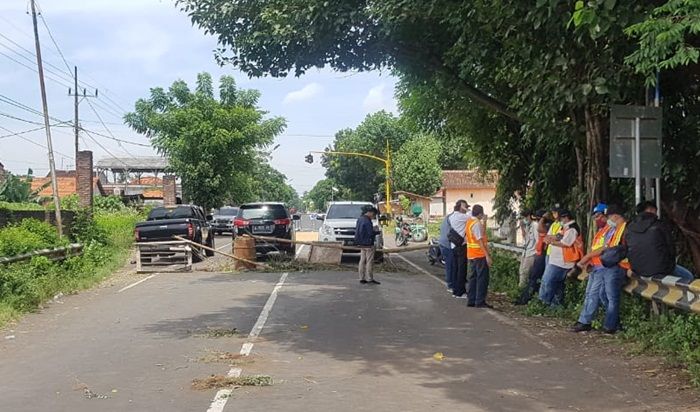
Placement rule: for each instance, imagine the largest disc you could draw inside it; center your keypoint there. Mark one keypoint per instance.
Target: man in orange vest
(479, 259)
(616, 276)
(594, 286)
(560, 259)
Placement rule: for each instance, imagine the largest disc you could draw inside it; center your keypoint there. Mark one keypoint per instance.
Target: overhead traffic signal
(309, 158)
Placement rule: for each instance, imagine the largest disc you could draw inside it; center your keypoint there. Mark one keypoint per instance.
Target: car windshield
(344, 211)
(179, 212)
(227, 211)
(268, 212)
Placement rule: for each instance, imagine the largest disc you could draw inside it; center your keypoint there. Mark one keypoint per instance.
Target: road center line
(219, 402)
(136, 283)
(501, 318)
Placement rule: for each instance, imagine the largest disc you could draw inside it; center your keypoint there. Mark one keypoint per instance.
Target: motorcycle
(434, 253)
(405, 231)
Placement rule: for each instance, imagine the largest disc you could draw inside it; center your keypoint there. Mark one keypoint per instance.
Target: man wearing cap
(364, 239)
(458, 222)
(594, 288)
(541, 226)
(558, 263)
(615, 275)
(446, 249)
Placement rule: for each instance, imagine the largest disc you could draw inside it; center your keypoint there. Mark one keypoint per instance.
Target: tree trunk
(596, 170)
(688, 222)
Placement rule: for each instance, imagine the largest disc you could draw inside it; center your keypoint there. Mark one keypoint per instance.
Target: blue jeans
(449, 265)
(683, 273)
(613, 280)
(552, 287)
(594, 290)
(478, 281)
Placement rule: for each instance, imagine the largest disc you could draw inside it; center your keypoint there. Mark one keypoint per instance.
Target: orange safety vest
(573, 253)
(616, 240)
(599, 243)
(474, 249)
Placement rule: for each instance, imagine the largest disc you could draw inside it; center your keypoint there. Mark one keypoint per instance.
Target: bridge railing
(667, 291)
(59, 253)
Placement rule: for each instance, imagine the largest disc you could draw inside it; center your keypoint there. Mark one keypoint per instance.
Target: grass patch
(214, 333)
(675, 335)
(220, 381)
(225, 357)
(24, 286)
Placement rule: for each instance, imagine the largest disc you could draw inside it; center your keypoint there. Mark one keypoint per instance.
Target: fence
(155, 256)
(59, 253)
(667, 290)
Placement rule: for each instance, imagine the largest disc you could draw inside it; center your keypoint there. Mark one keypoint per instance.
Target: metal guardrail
(667, 290)
(59, 253)
(154, 256)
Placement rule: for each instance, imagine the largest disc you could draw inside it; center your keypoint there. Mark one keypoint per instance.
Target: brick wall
(83, 178)
(169, 190)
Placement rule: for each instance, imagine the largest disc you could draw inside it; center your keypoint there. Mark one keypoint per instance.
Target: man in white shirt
(458, 222)
(552, 288)
(530, 233)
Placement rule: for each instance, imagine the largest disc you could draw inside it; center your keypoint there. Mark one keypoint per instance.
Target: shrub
(108, 203)
(27, 236)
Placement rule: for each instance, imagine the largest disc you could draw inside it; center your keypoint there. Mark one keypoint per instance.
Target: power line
(35, 143)
(105, 149)
(24, 107)
(108, 130)
(19, 133)
(117, 139)
(33, 69)
(58, 49)
(32, 55)
(9, 116)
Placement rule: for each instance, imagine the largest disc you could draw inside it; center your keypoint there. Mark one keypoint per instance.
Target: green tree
(271, 185)
(13, 189)
(212, 144)
(323, 192)
(416, 166)
(365, 177)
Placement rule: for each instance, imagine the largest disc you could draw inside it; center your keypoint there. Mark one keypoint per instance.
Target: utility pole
(76, 95)
(45, 107)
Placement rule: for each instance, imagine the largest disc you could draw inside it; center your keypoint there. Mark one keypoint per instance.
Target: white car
(339, 225)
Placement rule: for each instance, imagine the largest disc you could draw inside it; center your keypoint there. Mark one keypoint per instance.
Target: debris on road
(217, 333)
(226, 357)
(438, 356)
(220, 381)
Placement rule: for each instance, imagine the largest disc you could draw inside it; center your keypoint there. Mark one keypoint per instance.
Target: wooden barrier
(157, 256)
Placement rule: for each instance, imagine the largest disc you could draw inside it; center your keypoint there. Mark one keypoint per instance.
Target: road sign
(625, 121)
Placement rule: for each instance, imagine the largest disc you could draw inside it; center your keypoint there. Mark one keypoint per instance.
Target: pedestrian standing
(530, 235)
(479, 259)
(538, 265)
(446, 250)
(365, 233)
(458, 223)
(564, 252)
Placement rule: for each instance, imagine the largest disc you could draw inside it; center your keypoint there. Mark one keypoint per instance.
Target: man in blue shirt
(364, 239)
(446, 250)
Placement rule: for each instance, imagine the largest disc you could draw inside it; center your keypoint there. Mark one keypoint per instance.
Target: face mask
(600, 223)
(611, 223)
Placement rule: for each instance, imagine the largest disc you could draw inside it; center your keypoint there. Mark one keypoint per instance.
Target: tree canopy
(322, 193)
(417, 166)
(212, 144)
(527, 84)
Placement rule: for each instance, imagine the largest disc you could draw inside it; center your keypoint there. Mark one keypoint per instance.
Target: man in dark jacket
(650, 247)
(364, 239)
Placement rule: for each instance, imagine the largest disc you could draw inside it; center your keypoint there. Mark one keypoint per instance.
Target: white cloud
(379, 98)
(307, 92)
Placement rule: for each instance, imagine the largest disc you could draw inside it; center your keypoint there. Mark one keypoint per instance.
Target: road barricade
(157, 256)
(666, 291)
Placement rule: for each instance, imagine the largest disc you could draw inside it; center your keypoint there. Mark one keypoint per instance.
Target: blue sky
(125, 47)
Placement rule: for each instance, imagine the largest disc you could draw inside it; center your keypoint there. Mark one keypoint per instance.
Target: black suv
(266, 219)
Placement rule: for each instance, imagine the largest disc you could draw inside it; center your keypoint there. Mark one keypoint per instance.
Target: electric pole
(76, 95)
(45, 107)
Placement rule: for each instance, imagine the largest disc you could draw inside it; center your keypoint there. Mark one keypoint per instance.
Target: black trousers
(460, 270)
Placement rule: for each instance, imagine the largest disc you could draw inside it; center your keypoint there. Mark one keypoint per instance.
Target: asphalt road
(328, 343)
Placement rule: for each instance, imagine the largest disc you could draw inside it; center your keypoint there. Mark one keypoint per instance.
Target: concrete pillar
(169, 191)
(83, 178)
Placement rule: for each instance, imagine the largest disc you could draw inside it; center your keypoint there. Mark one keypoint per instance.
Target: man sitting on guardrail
(650, 246)
(594, 288)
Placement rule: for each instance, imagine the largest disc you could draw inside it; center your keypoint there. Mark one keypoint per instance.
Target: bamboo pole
(250, 262)
(346, 248)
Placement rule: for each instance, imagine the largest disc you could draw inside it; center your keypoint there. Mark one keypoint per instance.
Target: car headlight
(326, 230)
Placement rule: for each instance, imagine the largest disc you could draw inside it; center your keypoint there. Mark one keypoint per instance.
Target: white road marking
(219, 402)
(136, 283)
(301, 247)
(503, 319)
(226, 245)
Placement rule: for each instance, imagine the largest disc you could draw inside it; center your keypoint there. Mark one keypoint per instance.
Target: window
(265, 212)
(178, 212)
(344, 212)
(227, 211)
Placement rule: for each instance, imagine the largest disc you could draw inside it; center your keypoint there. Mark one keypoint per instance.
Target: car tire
(211, 244)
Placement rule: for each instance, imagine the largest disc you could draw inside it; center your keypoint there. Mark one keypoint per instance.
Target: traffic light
(309, 158)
